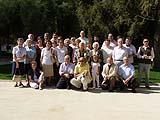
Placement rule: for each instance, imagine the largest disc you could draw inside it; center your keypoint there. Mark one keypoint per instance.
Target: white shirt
(19, 52)
(126, 71)
(112, 44)
(119, 53)
(73, 46)
(95, 67)
(131, 52)
(66, 68)
(106, 51)
(85, 40)
(61, 52)
(46, 56)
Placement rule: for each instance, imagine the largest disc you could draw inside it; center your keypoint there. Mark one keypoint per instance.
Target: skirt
(47, 70)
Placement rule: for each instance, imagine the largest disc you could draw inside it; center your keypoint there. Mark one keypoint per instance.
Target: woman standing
(47, 61)
(30, 56)
(81, 52)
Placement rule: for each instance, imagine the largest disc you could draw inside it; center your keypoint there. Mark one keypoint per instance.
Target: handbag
(53, 59)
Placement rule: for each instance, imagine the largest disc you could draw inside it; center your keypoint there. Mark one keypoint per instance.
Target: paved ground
(53, 104)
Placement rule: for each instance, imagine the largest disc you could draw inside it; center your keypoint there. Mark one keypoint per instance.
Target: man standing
(113, 42)
(131, 49)
(126, 75)
(106, 50)
(119, 53)
(83, 38)
(145, 55)
(109, 74)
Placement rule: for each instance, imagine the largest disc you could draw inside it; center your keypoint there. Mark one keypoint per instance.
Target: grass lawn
(5, 74)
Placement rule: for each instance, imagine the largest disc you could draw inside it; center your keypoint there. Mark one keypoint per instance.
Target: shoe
(85, 90)
(15, 85)
(40, 88)
(21, 85)
(28, 85)
(111, 90)
(148, 87)
(134, 91)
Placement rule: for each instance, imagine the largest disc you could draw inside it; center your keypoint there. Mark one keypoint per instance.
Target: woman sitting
(35, 76)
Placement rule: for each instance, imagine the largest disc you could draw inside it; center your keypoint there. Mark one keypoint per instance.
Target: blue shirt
(126, 71)
(66, 68)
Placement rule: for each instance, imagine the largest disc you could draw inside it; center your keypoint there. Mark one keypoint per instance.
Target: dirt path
(53, 104)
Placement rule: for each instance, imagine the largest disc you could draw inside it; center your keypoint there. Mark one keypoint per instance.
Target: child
(95, 69)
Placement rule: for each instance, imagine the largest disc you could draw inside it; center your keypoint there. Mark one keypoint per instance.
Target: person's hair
(55, 33)
(67, 56)
(54, 42)
(60, 37)
(81, 44)
(125, 57)
(129, 38)
(33, 63)
(67, 39)
(46, 33)
(20, 39)
(110, 57)
(73, 38)
(61, 40)
(81, 59)
(145, 39)
(49, 42)
(77, 40)
(95, 43)
(39, 38)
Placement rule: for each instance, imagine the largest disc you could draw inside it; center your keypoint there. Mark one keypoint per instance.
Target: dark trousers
(56, 74)
(63, 83)
(109, 83)
(132, 83)
(18, 71)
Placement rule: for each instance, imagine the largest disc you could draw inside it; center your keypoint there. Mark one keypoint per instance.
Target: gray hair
(94, 44)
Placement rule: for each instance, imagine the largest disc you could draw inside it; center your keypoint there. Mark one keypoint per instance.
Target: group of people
(81, 63)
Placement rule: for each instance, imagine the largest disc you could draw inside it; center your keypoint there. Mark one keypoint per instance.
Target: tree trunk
(157, 47)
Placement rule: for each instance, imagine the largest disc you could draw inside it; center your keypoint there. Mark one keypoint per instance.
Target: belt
(118, 60)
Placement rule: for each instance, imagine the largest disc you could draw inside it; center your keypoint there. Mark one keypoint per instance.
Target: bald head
(67, 59)
(120, 42)
(82, 34)
(125, 60)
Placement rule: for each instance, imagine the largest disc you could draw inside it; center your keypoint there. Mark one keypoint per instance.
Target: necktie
(109, 66)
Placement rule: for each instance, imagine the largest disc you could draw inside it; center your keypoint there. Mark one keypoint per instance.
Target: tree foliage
(137, 18)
